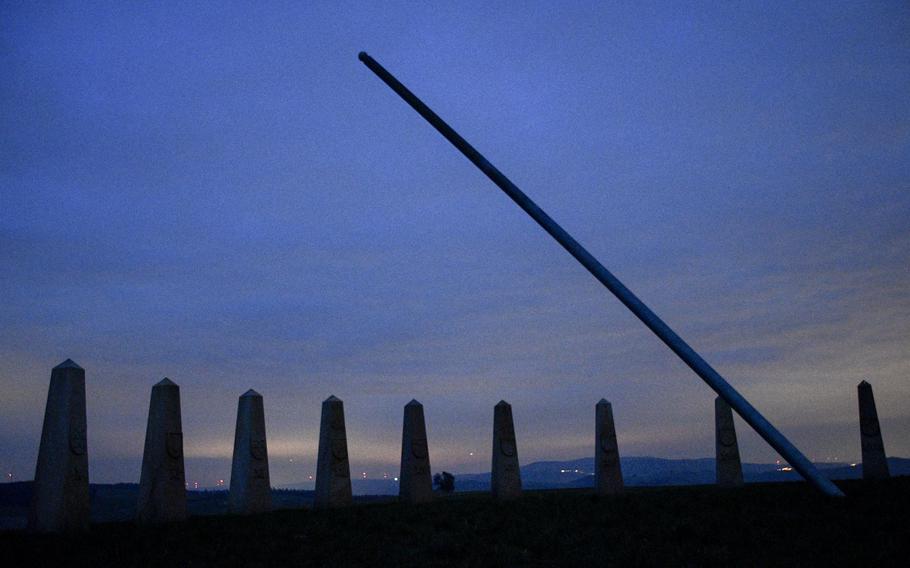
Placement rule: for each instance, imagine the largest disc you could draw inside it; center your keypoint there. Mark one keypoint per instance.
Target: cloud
(236, 204)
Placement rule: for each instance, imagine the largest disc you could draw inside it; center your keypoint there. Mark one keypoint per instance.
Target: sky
(222, 194)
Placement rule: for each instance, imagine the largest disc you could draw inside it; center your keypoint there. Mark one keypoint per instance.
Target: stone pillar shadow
(251, 491)
(60, 498)
(162, 484)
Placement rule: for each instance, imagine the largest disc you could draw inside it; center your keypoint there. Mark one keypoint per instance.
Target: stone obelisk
(60, 499)
(415, 482)
(607, 468)
(162, 485)
(505, 482)
(333, 472)
(251, 491)
(875, 465)
(728, 466)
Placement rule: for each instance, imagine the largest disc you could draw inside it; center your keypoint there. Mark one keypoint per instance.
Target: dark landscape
(766, 523)
(117, 502)
(295, 256)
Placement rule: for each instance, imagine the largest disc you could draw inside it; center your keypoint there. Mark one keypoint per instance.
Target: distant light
(395, 478)
(310, 476)
(852, 465)
(470, 453)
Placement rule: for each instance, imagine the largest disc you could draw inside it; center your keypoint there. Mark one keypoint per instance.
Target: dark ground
(760, 524)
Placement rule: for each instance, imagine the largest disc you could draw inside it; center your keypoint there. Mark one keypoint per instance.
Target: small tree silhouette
(444, 481)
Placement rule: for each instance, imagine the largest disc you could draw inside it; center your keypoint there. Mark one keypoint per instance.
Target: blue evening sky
(223, 194)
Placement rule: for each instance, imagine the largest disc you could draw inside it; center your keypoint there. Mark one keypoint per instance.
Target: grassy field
(761, 524)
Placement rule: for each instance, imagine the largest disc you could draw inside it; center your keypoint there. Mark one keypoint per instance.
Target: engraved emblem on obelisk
(77, 441)
(257, 449)
(174, 444)
(419, 449)
(610, 453)
(340, 450)
(507, 446)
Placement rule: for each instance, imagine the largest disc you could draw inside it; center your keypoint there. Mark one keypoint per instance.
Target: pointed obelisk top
(414, 402)
(68, 364)
(861, 383)
(332, 398)
(165, 382)
(250, 392)
(502, 403)
(602, 402)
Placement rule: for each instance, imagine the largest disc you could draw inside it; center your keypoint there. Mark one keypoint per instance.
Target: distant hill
(637, 471)
(648, 471)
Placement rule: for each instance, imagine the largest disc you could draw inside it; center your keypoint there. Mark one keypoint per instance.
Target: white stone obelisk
(875, 464)
(162, 484)
(60, 499)
(728, 466)
(607, 468)
(333, 472)
(505, 481)
(415, 481)
(251, 491)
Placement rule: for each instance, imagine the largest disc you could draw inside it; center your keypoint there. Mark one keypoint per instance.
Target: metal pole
(701, 367)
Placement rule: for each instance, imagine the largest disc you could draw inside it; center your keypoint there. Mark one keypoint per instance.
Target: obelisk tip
(68, 364)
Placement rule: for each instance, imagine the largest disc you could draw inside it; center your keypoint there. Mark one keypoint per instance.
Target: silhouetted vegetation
(764, 524)
(444, 482)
